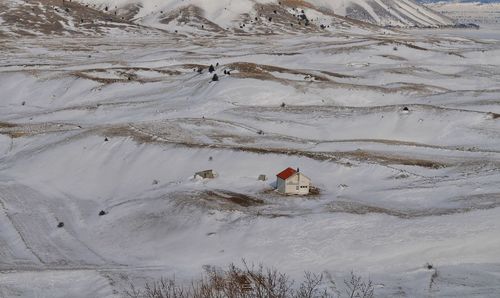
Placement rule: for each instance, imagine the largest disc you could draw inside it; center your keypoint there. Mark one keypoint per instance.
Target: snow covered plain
(398, 189)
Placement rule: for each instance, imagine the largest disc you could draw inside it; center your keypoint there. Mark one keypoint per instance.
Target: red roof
(286, 173)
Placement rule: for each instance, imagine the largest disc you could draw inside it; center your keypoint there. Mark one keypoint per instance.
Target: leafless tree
(253, 281)
(310, 287)
(356, 287)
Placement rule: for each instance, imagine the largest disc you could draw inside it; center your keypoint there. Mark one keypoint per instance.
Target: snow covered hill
(244, 14)
(98, 17)
(477, 13)
(58, 17)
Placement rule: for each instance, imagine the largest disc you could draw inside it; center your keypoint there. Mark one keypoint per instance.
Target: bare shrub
(356, 287)
(253, 281)
(310, 287)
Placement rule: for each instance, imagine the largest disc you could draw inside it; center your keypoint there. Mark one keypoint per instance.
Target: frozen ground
(399, 189)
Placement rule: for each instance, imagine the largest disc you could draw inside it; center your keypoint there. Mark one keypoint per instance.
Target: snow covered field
(399, 189)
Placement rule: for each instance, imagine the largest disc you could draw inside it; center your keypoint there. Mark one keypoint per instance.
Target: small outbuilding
(293, 182)
(262, 177)
(207, 174)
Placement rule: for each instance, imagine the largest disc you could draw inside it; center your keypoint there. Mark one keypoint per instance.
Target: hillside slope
(56, 17)
(229, 13)
(104, 17)
(124, 131)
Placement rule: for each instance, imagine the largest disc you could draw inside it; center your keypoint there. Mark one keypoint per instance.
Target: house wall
(280, 185)
(297, 184)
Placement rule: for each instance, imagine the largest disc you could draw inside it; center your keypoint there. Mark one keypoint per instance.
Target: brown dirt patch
(297, 3)
(467, 204)
(234, 198)
(366, 156)
(7, 125)
(263, 72)
(394, 57)
(393, 159)
(494, 115)
(17, 131)
(125, 75)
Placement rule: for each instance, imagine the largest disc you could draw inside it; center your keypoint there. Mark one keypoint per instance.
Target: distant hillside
(48, 17)
(469, 12)
(98, 17)
(232, 13)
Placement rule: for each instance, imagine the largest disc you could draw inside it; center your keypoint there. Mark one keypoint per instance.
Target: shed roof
(285, 174)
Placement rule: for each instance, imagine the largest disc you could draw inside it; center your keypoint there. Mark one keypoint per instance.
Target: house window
(297, 188)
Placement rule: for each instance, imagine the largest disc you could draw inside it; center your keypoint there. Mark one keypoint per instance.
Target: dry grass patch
(263, 72)
(233, 197)
(297, 3)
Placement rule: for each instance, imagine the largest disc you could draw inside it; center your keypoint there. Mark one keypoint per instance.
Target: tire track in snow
(18, 231)
(34, 229)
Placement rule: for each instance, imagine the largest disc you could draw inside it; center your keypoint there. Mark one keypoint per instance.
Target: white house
(293, 182)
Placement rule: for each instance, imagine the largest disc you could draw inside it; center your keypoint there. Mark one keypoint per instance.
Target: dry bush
(250, 281)
(356, 287)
